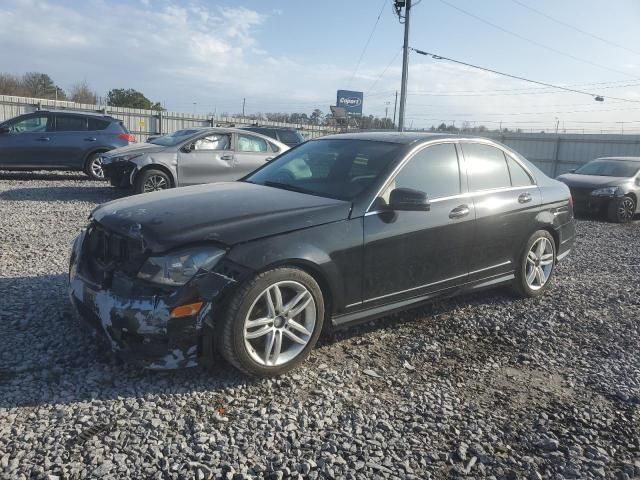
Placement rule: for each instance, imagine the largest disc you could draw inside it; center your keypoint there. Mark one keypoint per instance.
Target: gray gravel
(481, 386)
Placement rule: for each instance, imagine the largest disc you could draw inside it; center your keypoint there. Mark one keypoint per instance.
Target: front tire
(537, 265)
(272, 322)
(93, 167)
(621, 210)
(151, 180)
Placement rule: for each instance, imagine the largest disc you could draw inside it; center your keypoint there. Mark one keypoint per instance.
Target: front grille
(581, 194)
(105, 253)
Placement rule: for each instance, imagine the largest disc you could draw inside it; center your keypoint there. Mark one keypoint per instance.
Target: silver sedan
(189, 157)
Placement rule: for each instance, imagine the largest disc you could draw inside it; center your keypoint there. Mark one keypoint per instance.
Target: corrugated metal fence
(557, 154)
(143, 123)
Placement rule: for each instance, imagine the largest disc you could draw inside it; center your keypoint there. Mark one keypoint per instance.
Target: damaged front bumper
(136, 319)
(119, 173)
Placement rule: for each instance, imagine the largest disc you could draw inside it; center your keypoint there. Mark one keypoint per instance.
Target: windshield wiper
(286, 186)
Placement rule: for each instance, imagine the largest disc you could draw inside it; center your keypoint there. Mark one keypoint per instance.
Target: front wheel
(272, 322)
(621, 210)
(151, 180)
(537, 263)
(93, 167)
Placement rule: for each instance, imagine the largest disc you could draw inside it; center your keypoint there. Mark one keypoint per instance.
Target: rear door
(207, 159)
(28, 142)
(506, 202)
(70, 140)
(251, 152)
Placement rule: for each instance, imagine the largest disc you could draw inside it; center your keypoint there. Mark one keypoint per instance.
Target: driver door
(414, 253)
(207, 159)
(28, 142)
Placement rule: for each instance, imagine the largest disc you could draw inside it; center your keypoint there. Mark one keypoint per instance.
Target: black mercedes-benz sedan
(608, 186)
(334, 231)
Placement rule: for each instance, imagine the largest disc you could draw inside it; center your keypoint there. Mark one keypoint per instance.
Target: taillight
(128, 137)
(571, 202)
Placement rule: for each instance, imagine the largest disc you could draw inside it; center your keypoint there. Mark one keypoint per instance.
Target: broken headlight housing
(606, 192)
(177, 268)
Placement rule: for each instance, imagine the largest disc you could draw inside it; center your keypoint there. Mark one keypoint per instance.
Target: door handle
(459, 212)
(524, 198)
(44, 139)
(226, 157)
(268, 159)
(90, 139)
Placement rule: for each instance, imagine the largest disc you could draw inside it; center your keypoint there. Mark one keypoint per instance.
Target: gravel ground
(485, 385)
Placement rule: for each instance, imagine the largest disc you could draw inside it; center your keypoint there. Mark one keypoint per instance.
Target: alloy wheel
(154, 183)
(539, 263)
(626, 209)
(96, 167)
(279, 323)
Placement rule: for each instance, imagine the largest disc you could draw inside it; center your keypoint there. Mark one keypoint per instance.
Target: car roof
(245, 127)
(77, 112)
(232, 130)
(396, 137)
(626, 159)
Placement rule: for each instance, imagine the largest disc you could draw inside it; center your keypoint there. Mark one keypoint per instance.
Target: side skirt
(367, 314)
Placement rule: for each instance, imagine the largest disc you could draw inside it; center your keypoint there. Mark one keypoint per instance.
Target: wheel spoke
(531, 257)
(258, 322)
(542, 243)
(271, 309)
(546, 259)
(259, 332)
(296, 326)
(294, 337)
(268, 345)
(277, 348)
(540, 275)
(298, 304)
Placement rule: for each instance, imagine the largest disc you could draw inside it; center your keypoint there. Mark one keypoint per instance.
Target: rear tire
(93, 167)
(536, 265)
(621, 210)
(151, 180)
(272, 322)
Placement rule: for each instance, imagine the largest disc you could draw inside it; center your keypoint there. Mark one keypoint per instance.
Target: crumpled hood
(591, 181)
(226, 213)
(134, 148)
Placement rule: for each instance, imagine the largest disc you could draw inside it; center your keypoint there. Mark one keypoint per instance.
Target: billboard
(350, 101)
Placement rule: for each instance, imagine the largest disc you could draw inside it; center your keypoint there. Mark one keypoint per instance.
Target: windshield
(329, 168)
(610, 168)
(173, 138)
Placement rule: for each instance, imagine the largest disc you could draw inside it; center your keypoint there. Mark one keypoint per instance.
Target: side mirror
(572, 170)
(187, 148)
(408, 199)
(5, 130)
(638, 181)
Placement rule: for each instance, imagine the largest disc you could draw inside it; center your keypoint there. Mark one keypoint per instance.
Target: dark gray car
(609, 185)
(60, 140)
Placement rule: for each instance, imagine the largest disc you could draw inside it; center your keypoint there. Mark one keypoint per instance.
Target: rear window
(70, 123)
(97, 124)
(290, 136)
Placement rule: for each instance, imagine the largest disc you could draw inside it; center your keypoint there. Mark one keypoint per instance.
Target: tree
(130, 98)
(82, 93)
(316, 116)
(40, 85)
(10, 84)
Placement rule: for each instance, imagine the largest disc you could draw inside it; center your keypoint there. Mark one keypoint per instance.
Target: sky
(292, 56)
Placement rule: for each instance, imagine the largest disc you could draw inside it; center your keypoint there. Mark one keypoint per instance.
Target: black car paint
(347, 246)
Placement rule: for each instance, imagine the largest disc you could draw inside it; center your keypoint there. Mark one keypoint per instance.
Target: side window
(433, 170)
(486, 166)
(70, 123)
(289, 136)
(213, 142)
(97, 124)
(274, 148)
(249, 143)
(519, 176)
(37, 123)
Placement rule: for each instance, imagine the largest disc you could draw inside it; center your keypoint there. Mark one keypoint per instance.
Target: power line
(558, 87)
(573, 27)
(534, 42)
(366, 45)
(385, 70)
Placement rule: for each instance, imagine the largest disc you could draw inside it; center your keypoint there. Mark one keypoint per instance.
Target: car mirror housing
(408, 199)
(187, 148)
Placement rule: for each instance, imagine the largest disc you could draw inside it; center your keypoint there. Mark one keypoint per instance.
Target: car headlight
(606, 192)
(124, 158)
(179, 267)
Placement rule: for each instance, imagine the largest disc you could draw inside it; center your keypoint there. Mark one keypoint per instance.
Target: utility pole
(405, 65)
(243, 101)
(395, 106)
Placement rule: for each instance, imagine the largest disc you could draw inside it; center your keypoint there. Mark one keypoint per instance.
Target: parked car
(60, 140)
(189, 157)
(609, 185)
(335, 231)
(289, 136)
